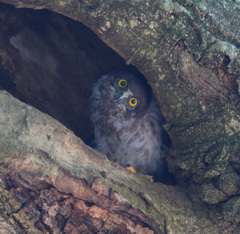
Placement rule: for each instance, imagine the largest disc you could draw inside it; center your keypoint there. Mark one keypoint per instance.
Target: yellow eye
(122, 83)
(133, 102)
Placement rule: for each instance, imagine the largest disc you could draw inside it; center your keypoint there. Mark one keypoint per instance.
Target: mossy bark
(188, 51)
(48, 170)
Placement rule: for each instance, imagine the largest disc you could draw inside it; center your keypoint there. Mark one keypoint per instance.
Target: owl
(128, 122)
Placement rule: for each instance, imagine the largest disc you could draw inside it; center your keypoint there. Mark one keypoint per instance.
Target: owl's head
(125, 91)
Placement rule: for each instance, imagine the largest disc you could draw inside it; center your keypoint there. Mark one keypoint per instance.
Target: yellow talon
(131, 169)
(150, 179)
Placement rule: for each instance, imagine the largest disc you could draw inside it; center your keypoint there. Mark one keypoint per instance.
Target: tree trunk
(188, 51)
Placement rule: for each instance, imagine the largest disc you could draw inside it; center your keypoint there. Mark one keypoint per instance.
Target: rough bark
(58, 183)
(189, 53)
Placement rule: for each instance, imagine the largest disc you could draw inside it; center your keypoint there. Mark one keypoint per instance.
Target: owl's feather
(128, 135)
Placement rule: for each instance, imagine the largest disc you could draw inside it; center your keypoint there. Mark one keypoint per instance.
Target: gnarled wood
(189, 52)
(66, 173)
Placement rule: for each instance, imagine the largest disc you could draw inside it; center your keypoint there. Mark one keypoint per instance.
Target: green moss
(231, 209)
(210, 174)
(211, 194)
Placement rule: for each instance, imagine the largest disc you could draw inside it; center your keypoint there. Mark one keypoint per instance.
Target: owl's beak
(126, 94)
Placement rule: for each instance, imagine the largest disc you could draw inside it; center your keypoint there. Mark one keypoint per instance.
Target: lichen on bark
(188, 51)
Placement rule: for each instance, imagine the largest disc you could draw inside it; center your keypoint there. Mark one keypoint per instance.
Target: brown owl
(128, 122)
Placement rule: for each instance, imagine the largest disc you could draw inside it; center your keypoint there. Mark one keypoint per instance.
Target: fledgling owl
(128, 122)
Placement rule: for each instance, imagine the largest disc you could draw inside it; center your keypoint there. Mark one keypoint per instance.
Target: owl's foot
(148, 177)
(131, 169)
